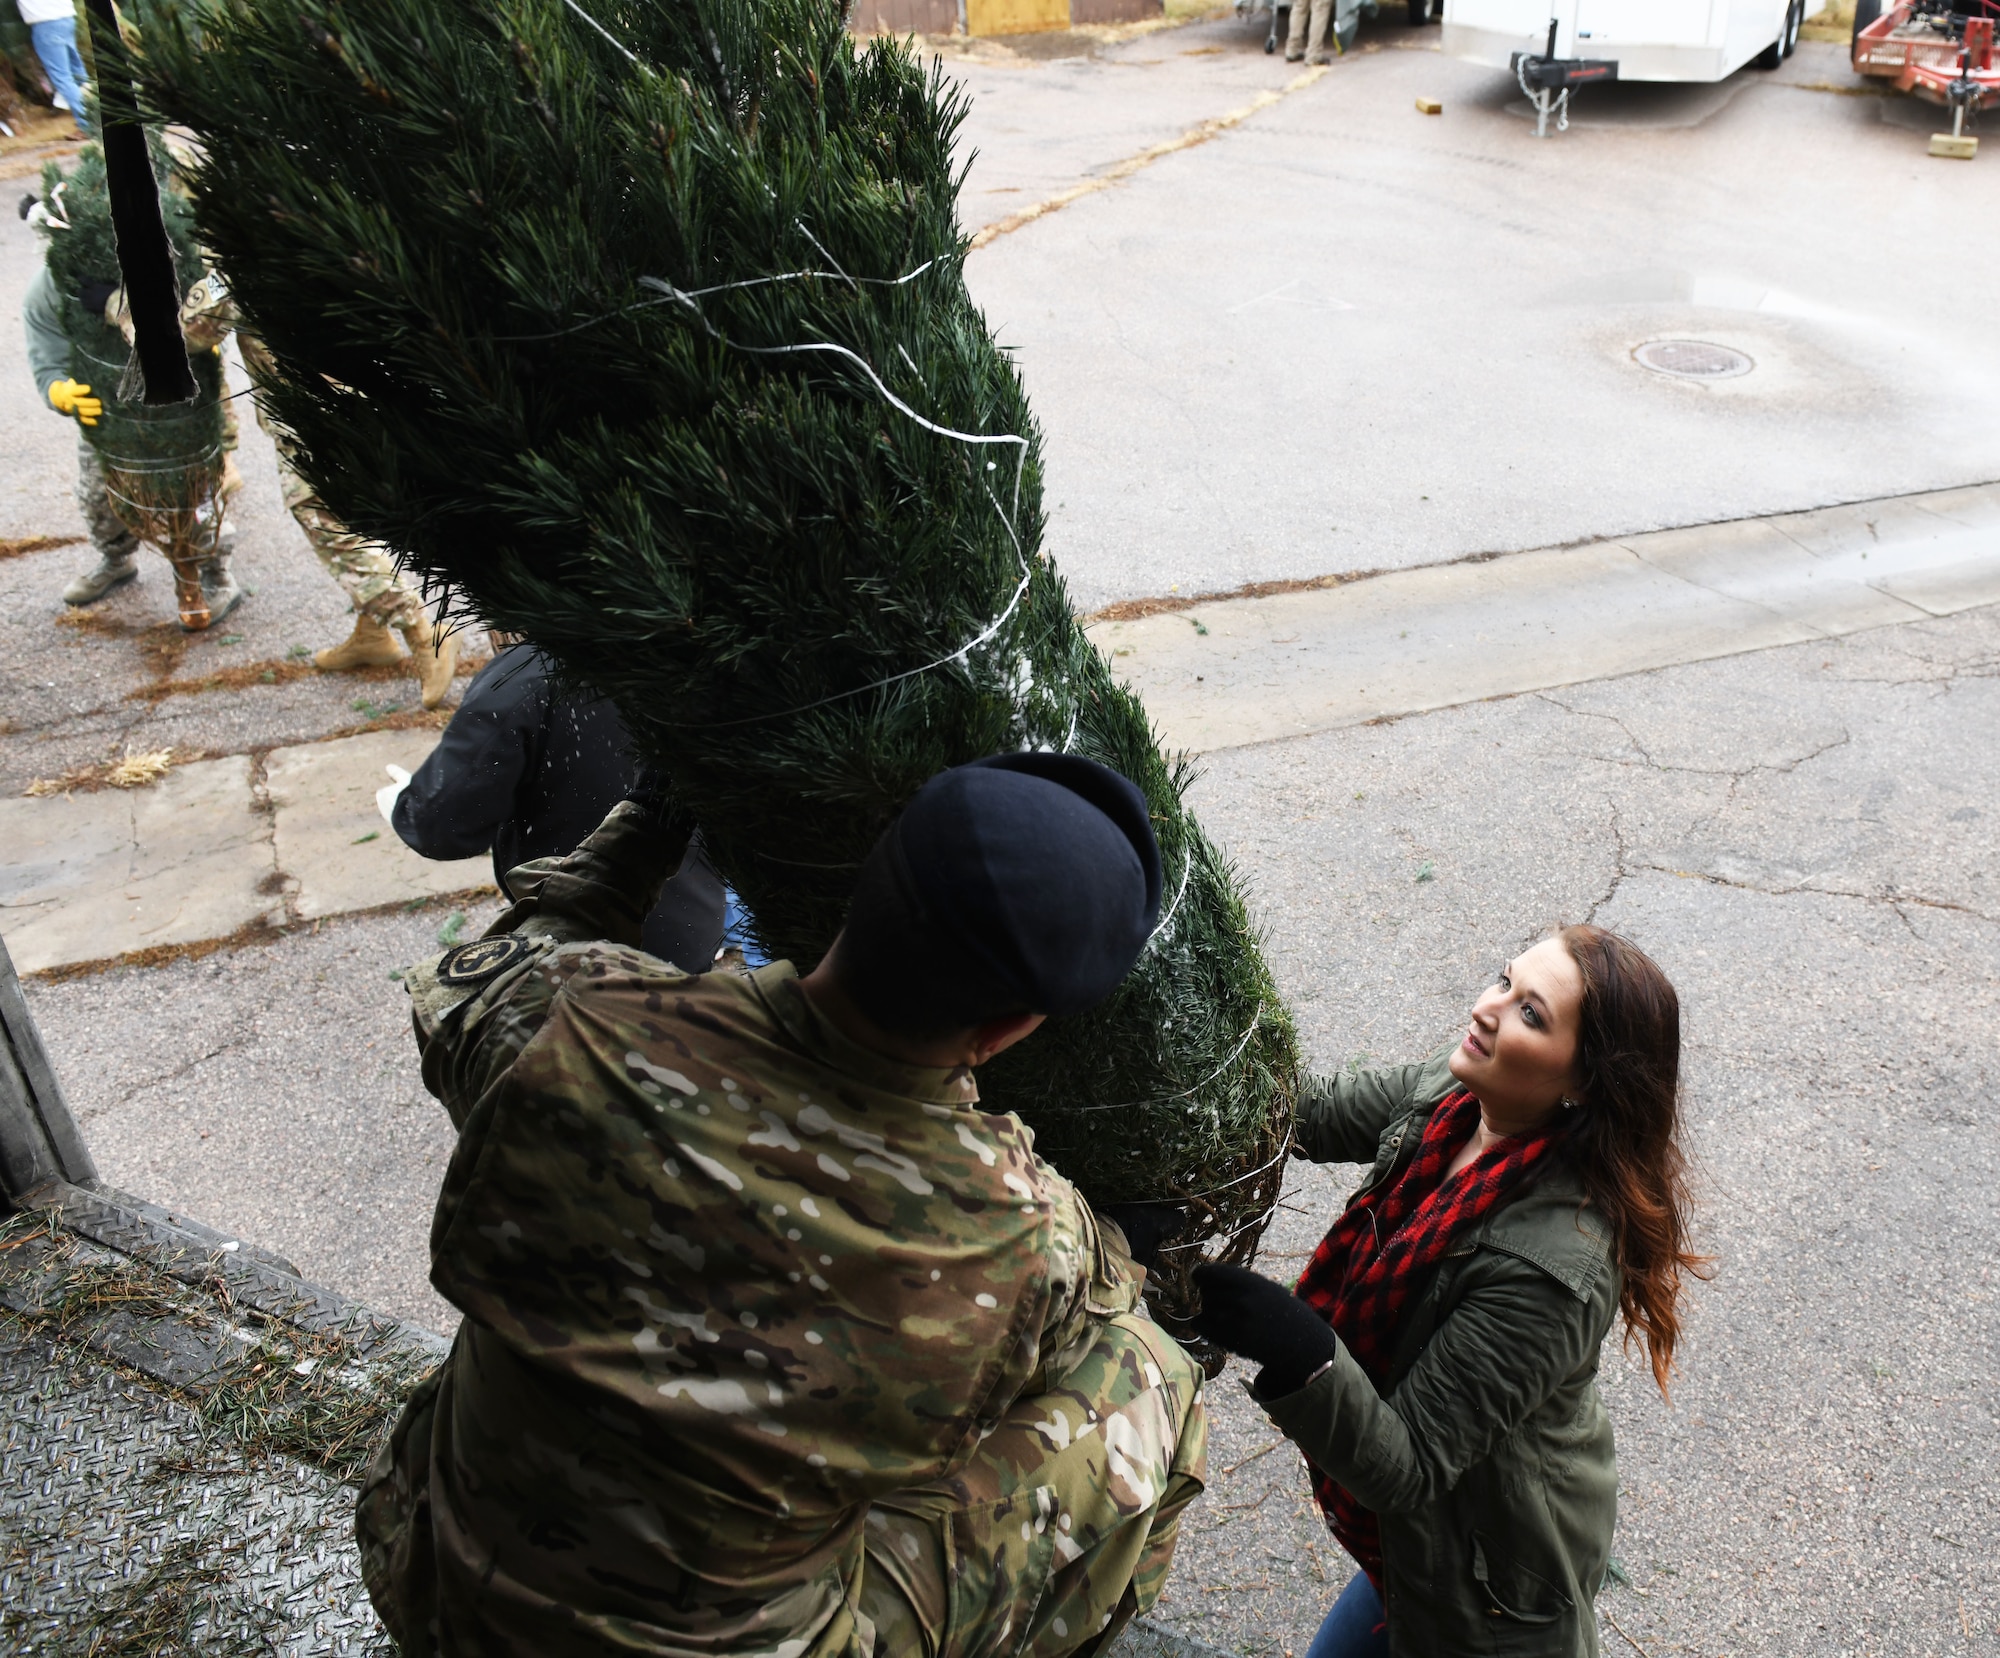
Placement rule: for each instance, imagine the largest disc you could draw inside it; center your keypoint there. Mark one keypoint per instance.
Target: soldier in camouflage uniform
(381, 595)
(774, 1342)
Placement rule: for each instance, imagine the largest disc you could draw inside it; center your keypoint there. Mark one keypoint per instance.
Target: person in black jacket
(527, 772)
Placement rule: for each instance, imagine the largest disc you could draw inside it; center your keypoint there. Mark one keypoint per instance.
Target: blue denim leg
(1354, 1627)
(55, 45)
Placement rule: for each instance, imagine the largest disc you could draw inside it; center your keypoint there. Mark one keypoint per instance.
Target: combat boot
(370, 645)
(92, 585)
(436, 652)
(219, 587)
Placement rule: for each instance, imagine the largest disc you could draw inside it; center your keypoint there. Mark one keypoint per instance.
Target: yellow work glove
(72, 397)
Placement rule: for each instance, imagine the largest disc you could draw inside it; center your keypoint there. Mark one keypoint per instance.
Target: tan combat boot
(436, 653)
(92, 585)
(370, 645)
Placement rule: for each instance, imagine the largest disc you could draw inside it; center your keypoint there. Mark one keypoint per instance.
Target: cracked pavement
(214, 850)
(1806, 838)
(1804, 833)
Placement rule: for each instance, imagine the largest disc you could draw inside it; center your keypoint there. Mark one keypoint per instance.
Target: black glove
(1146, 1226)
(1246, 1313)
(94, 296)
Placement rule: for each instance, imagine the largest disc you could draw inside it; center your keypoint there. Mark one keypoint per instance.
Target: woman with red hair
(1437, 1364)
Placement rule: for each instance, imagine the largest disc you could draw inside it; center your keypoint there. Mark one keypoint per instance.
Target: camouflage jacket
(727, 1278)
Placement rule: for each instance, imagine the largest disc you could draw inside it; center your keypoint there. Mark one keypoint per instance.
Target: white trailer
(1641, 40)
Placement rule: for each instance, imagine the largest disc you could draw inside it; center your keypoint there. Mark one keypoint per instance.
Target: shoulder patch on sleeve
(467, 965)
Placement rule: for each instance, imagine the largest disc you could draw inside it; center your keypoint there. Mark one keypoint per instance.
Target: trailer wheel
(1865, 13)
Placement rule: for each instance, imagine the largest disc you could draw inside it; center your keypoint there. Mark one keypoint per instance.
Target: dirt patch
(408, 719)
(39, 135)
(163, 645)
(160, 644)
(249, 937)
(161, 955)
(282, 671)
(1130, 610)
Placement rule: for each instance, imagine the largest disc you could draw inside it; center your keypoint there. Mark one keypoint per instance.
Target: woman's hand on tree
(1264, 1322)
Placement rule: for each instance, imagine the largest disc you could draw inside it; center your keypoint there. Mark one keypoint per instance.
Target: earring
(1568, 1104)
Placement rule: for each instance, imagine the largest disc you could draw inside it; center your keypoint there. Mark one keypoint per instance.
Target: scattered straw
(135, 770)
(303, 1394)
(17, 546)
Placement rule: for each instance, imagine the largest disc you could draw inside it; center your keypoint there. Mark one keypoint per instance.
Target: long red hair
(1625, 1133)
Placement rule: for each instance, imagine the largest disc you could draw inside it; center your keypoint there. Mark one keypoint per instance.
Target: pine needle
(713, 419)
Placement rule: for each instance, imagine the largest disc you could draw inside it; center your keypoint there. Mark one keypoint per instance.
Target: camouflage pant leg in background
(1061, 1528)
(109, 533)
(365, 570)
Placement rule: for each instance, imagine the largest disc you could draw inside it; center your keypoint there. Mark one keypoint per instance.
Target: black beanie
(1021, 883)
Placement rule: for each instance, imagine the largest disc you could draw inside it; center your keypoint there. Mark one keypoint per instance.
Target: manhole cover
(1692, 359)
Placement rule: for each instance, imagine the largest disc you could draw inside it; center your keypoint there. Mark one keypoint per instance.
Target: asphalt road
(1347, 336)
(1808, 839)
(1805, 837)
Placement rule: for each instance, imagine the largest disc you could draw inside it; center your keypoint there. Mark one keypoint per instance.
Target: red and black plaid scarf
(1378, 1255)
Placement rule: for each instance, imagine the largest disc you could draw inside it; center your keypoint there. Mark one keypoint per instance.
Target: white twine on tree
(1173, 909)
(1256, 1019)
(670, 294)
(1284, 1151)
(690, 300)
(673, 294)
(1255, 1222)
(608, 35)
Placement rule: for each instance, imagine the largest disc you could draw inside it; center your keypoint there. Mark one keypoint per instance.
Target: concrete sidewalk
(249, 843)
(1221, 675)
(220, 847)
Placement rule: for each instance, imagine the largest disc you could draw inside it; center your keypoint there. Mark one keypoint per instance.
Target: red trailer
(1936, 50)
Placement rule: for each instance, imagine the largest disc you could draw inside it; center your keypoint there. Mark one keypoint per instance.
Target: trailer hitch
(1546, 81)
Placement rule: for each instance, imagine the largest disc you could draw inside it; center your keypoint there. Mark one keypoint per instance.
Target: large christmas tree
(640, 327)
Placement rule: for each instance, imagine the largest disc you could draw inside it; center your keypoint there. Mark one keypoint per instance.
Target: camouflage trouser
(109, 534)
(365, 570)
(1061, 1528)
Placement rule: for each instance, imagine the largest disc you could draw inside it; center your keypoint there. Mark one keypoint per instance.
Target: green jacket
(1487, 1454)
(727, 1279)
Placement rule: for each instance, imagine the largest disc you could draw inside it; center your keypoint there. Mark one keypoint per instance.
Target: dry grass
(1131, 610)
(160, 955)
(134, 769)
(284, 671)
(18, 546)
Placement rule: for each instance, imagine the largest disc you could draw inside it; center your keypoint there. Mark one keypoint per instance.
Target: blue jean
(55, 45)
(1354, 1628)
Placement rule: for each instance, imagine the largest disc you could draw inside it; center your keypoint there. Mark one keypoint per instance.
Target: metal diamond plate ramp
(125, 1528)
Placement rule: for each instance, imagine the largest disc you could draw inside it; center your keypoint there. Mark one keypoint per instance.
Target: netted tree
(163, 463)
(643, 331)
